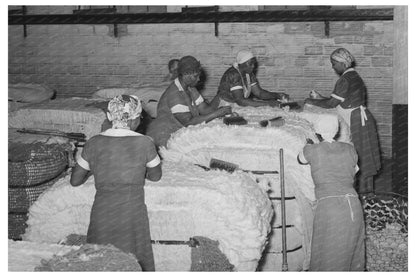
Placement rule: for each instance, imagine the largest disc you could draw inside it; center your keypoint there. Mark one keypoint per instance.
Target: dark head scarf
(188, 64)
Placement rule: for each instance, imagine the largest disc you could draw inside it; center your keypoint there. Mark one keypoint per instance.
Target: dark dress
(338, 226)
(119, 214)
(173, 100)
(233, 80)
(351, 90)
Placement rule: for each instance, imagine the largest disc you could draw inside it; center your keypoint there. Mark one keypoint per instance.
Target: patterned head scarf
(188, 64)
(123, 108)
(327, 127)
(342, 55)
(243, 56)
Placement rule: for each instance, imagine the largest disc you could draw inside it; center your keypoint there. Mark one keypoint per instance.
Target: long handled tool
(192, 242)
(231, 167)
(78, 137)
(283, 211)
(275, 122)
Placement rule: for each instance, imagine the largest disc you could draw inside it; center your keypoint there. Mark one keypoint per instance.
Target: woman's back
(332, 167)
(119, 160)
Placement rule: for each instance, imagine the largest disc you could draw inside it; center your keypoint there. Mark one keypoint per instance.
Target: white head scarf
(327, 127)
(342, 55)
(123, 108)
(243, 56)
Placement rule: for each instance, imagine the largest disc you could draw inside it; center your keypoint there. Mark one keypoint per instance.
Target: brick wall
(293, 58)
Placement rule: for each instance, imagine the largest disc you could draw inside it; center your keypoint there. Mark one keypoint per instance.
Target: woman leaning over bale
(239, 85)
(181, 104)
(120, 160)
(338, 225)
(349, 97)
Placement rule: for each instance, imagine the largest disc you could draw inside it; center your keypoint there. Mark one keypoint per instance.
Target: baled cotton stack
(67, 115)
(187, 202)
(148, 94)
(29, 93)
(256, 148)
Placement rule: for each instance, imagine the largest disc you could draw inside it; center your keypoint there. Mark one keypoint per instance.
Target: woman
(173, 71)
(239, 85)
(338, 226)
(120, 160)
(181, 104)
(349, 97)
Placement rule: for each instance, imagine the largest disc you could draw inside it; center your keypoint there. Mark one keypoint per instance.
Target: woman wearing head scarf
(349, 97)
(181, 104)
(120, 160)
(338, 226)
(239, 85)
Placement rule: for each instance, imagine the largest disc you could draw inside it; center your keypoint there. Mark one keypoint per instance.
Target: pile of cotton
(26, 256)
(187, 202)
(33, 256)
(303, 121)
(78, 115)
(256, 148)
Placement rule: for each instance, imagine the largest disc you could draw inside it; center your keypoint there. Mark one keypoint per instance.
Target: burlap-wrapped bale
(69, 115)
(16, 225)
(22, 197)
(386, 232)
(35, 163)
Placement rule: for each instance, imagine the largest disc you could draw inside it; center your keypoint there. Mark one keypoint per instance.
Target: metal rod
(283, 210)
(205, 17)
(24, 26)
(327, 28)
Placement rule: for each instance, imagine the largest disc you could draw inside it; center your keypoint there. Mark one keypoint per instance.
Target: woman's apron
(346, 115)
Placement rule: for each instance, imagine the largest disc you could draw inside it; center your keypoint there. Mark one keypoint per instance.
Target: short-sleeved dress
(173, 100)
(338, 226)
(232, 80)
(118, 159)
(351, 91)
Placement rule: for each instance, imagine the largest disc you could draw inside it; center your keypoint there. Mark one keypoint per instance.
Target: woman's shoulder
(231, 71)
(345, 146)
(143, 139)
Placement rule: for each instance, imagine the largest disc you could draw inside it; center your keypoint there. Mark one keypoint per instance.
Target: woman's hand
(283, 97)
(224, 110)
(308, 101)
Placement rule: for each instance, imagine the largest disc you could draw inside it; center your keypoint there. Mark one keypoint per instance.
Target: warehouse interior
(66, 62)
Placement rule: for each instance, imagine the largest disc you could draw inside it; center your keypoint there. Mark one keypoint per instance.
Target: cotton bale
(186, 202)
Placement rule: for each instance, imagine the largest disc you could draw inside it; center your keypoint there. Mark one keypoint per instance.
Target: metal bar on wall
(207, 17)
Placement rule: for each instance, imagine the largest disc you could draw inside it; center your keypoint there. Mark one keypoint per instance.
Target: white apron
(346, 114)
